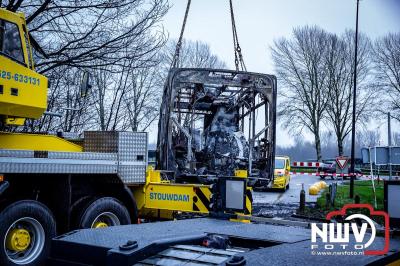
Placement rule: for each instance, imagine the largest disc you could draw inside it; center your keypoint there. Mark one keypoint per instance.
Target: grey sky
(259, 22)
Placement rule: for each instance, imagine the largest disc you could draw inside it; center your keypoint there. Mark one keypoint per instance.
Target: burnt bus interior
(213, 122)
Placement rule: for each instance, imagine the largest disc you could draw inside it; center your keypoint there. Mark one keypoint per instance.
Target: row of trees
(316, 70)
(122, 97)
(121, 43)
(304, 150)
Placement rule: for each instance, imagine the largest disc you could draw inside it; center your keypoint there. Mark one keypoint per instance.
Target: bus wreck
(214, 122)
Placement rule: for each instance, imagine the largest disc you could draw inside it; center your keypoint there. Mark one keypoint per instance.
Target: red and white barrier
(306, 164)
(323, 174)
(368, 177)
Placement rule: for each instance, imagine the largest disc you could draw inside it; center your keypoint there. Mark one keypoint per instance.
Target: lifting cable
(239, 62)
(236, 47)
(175, 59)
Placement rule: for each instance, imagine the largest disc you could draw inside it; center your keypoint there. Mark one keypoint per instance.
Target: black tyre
(77, 209)
(26, 229)
(104, 212)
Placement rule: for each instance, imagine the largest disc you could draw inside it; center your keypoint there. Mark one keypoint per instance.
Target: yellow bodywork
(241, 173)
(249, 203)
(158, 195)
(36, 142)
(161, 199)
(282, 175)
(182, 197)
(24, 91)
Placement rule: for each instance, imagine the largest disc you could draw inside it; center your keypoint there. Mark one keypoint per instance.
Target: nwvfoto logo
(337, 235)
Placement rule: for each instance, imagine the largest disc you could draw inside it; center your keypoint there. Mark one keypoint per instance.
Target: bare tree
(143, 100)
(72, 112)
(300, 67)
(127, 99)
(387, 66)
(103, 36)
(92, 33)
(368, 138)
(396, 138)
(192, 54)
(340, 65)
(109, 91)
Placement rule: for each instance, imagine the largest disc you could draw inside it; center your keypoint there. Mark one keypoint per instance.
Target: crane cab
(23, 91)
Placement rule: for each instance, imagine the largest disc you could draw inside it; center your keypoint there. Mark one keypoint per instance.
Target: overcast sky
(259, 22)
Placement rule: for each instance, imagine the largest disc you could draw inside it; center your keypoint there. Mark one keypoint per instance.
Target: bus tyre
(104, 212)
(26, 227)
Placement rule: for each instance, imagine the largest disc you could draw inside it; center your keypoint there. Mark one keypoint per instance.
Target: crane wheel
(26, 228)
(104, 212)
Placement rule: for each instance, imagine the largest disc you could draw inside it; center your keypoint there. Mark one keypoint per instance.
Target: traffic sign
(342, 161)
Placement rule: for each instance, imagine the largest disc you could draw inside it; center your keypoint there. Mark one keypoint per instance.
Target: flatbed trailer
(203, 242)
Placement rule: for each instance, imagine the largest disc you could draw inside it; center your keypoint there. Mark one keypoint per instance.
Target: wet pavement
(277, 203)
(292, 195)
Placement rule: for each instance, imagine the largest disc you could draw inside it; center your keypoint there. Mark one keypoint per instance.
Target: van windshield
(279, 163)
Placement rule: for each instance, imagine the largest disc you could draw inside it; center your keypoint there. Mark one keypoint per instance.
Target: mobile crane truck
(50, 185)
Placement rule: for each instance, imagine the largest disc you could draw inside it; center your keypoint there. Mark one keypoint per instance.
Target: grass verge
(363, 189)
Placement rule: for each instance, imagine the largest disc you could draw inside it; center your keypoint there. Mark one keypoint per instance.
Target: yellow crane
(50, 185)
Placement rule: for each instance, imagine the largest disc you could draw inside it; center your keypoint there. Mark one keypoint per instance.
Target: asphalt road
(292, 195)
(281, 204)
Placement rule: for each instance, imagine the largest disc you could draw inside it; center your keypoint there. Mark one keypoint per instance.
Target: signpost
(342, 166)
(353, 122)
(342, 161)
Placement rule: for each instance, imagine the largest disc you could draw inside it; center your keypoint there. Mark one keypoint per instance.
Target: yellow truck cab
(281, 172)
(23, 91)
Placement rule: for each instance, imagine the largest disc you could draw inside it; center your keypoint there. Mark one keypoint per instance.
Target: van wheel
(104, 212)
(27, 228)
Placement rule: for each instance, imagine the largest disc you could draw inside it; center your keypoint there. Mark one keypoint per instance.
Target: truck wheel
(27, 228)
(104, 212)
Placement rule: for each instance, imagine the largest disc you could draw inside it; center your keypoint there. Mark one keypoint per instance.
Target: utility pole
(353, 124)
(389, 144)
